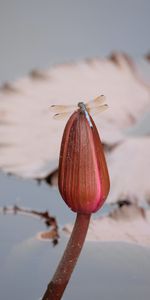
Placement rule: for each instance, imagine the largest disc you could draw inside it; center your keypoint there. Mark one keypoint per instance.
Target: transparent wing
(99, 109)
(62, 108)
(96, 102)
(61, 116)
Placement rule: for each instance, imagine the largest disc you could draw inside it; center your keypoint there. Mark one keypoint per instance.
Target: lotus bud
(83, 178)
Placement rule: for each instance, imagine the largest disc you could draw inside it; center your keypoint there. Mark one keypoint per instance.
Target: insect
(94, 106)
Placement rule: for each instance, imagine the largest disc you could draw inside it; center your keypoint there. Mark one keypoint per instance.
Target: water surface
(105, 270)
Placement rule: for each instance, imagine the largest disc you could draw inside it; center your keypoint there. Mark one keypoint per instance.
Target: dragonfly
(94, 106)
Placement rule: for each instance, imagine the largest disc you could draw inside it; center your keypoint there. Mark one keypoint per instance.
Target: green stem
(57, 285)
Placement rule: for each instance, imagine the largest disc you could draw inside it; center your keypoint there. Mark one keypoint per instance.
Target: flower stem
(57, 285)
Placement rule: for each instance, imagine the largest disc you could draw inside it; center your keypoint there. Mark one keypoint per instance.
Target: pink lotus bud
(83, 175)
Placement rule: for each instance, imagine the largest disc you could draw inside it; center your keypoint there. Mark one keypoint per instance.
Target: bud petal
(83, 176)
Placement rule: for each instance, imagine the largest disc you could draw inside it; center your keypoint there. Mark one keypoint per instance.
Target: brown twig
(50, 221)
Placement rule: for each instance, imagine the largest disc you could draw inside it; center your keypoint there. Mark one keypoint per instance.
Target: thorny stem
(57, 285)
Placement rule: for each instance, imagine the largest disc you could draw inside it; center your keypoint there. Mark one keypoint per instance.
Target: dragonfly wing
(62, 108)
(61, 116)
(96, 102)
(99, 109)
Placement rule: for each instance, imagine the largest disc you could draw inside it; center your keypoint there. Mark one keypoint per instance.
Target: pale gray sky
(36, 33)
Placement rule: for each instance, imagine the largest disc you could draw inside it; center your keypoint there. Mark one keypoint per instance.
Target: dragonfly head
(82, 106)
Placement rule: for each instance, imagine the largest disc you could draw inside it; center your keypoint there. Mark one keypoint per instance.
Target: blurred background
(37, 34)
